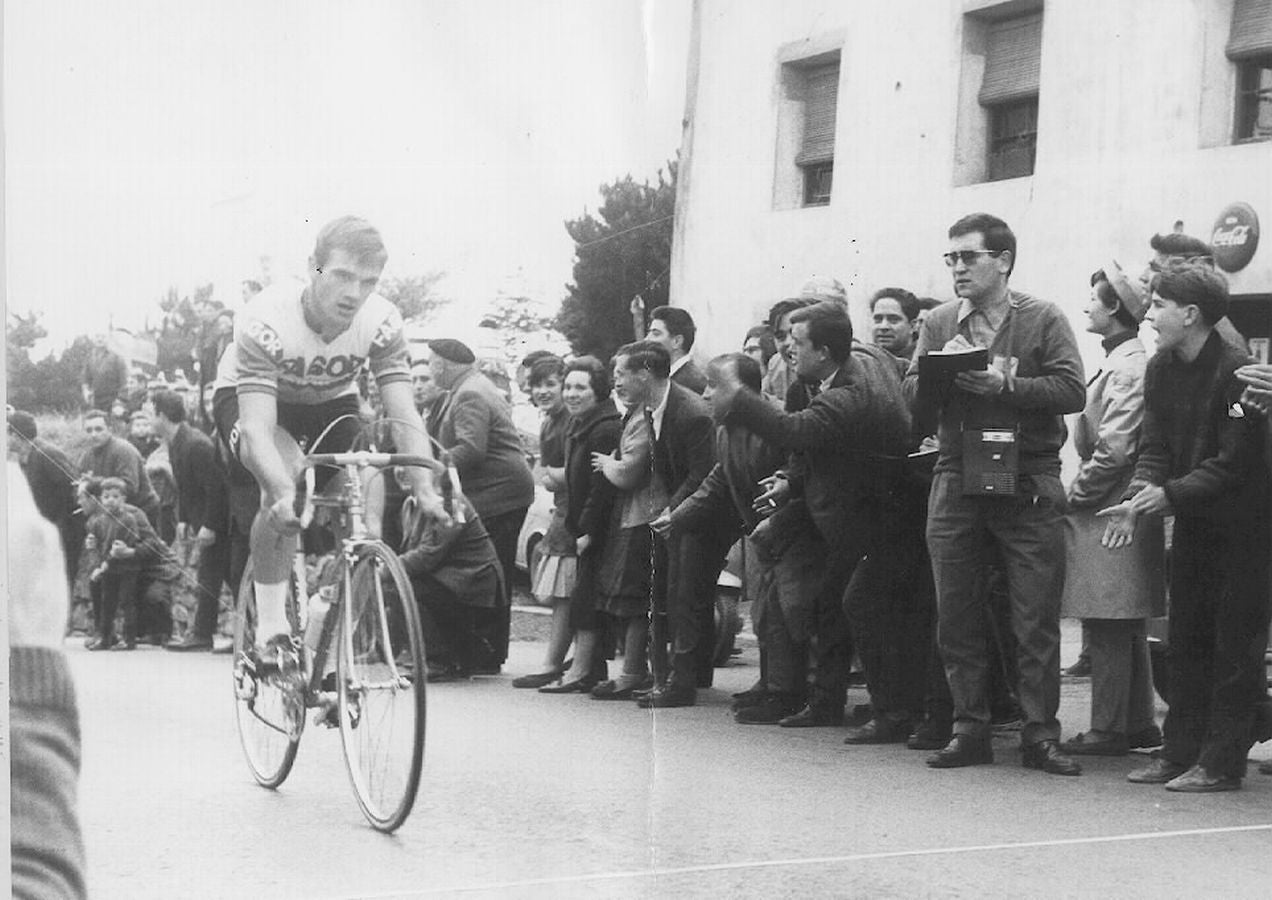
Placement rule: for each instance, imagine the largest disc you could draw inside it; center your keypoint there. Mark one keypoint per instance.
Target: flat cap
(452, 350)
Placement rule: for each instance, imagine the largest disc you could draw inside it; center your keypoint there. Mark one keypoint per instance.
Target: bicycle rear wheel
(381, 673)
(270, 711)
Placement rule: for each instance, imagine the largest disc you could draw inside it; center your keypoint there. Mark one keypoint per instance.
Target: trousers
(1026, 532)
(1218, 631)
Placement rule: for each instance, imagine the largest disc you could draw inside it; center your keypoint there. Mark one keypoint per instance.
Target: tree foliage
(515, 320)
(43, 385)
(415, 296)
(621, 252)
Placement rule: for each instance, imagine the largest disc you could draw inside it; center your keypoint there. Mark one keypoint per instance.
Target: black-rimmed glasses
(966, 257)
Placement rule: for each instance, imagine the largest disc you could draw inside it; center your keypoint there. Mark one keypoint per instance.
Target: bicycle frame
(352, 531)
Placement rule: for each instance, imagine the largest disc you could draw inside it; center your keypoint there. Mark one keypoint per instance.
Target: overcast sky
(156, 143)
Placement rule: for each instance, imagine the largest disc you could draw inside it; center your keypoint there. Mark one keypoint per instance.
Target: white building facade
(825, 137)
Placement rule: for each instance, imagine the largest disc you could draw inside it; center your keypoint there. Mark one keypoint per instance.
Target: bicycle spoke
(269, 708)
(381, 700)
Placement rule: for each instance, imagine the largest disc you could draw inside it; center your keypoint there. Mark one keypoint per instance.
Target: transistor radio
(991, 462)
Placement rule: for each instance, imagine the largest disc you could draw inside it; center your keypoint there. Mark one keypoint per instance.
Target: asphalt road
(530, 795)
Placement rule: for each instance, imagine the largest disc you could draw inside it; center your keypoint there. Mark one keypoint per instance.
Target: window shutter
(1251, 29)
(821, 94)
(1011, 62)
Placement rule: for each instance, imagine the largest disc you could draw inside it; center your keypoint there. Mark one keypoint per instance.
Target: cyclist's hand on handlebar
(431, 507)
(281, 515)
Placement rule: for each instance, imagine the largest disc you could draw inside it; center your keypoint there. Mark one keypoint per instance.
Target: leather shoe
(609, 690)
(1144, 739)
(879, 731)
(1085, 745)
(1199, 781)
(1158, 771)
(768, 711)
(582, 685)
(930, 735)
(963, 750)
(814, 717)
(537, 680)
(754, 692)
(668, 697)
(1080, 669)
(1046, 756)
(189, 643)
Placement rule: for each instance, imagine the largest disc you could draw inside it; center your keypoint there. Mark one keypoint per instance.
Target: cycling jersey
(275, 350)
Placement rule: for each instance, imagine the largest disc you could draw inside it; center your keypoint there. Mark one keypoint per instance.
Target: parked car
(538, 517)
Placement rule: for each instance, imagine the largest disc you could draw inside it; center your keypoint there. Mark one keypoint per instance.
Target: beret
(452, 350)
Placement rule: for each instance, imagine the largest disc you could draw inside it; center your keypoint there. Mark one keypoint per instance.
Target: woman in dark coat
(552, 571)
(594, 428)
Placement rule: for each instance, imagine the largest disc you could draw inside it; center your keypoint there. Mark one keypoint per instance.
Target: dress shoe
(879, 731)
(768, 711)
(930, 735)
(860, 714)
(609, 689)
(582, 685)
(963, 750)
(754, 692)
(1046, 756)
(1144, 739)
(1200, 781)
(537, 680)
(1086, 745)
(1080, 669)
(1158, 771)
(438, 674)
(668, 698)
(815, 717)
(641, 693)
(188, 643)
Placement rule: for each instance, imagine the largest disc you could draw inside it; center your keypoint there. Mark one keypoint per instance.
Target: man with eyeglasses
(1034, 376)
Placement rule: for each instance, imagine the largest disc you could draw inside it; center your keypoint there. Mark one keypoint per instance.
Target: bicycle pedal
(328, 712)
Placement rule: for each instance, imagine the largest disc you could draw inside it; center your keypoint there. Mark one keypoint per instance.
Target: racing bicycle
(373, 690)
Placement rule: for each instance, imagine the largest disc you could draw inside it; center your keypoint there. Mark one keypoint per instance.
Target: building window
(1254, 100)
(816, 158)
(1009, 93)
(1250, 49)
(817, 182)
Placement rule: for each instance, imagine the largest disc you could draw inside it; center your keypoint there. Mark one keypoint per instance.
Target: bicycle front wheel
(270, 710)
(381, 673)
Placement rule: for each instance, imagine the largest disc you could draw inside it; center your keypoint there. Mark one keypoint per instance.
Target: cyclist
(291, 372)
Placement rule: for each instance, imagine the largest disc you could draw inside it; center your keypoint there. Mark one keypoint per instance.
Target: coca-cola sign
(1235, 237)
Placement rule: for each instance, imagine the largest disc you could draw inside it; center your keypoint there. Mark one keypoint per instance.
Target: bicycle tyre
(382, 719)
(270, 720)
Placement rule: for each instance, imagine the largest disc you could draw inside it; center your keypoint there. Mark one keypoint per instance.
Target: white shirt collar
(828, 381)
(656, 414)
(679, 364)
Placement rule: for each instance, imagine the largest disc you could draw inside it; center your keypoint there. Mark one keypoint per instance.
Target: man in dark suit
(475, 427)
(848, 449)
(673, 328)
(203, 514)
(683, 454)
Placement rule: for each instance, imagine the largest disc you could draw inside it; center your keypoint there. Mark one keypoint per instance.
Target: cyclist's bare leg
(274, 540)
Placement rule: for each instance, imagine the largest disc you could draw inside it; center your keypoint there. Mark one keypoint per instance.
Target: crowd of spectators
(897, 510)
